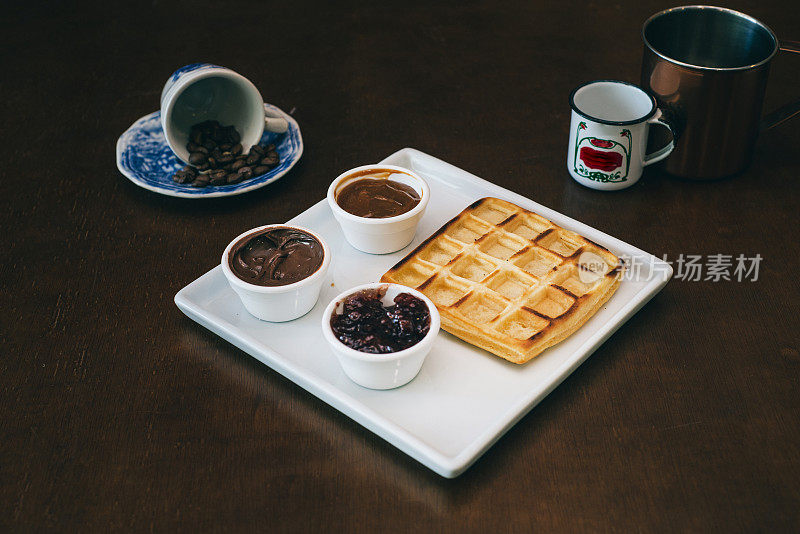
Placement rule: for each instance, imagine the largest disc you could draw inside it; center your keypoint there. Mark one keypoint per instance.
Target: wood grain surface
(121, 414)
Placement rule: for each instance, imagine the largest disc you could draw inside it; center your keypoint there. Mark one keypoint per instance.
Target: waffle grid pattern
(509, 280)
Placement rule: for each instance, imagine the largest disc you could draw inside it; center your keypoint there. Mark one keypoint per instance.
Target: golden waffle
(508, 280)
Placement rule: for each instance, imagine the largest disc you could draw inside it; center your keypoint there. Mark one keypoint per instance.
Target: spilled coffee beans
(216, 157)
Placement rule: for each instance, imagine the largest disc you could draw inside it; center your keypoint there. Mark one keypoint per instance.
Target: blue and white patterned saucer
(145, 158)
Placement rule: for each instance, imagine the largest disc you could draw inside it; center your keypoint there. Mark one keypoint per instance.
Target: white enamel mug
(608, 134)
(200, 92)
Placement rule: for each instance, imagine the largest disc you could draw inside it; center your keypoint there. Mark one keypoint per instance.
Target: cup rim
(653, 104)
(182, 83)
(698, 7)
(433, 331)
(339, 212)
(310, 279)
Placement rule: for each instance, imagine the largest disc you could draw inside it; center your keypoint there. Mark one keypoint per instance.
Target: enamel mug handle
(662, 153)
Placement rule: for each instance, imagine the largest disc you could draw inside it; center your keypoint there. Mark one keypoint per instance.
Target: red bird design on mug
(604, 160)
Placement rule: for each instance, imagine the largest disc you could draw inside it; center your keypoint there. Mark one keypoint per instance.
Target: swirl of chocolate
(375, 196)
(276, 256)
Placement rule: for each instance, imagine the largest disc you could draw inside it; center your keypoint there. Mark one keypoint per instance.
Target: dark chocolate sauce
(366, 325)
(276, 256)
(376, 197)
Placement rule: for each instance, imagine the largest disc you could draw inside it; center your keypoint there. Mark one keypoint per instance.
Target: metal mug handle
(787, 111)
(661, 153)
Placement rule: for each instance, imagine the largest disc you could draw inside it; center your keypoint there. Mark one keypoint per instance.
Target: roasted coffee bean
(237, 164)
(196, 158)
(236, 149)
(235, 178)
(194, 147)
(246, 173)
(191, 171)
(202, 166)
(222, 179)
(184, 171)
(225, 147)
(253, 157)
(225, 157)
(196, 137)
(270, 159)
(181, 177)
(235, 137)
(200, 181)
(212, 162)
(261, 169)
(209, 144)
(258, 149)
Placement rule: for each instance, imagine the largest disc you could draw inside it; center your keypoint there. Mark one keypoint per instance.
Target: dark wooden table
(119, 413)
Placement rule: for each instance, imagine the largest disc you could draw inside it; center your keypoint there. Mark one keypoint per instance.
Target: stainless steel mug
(707, 67)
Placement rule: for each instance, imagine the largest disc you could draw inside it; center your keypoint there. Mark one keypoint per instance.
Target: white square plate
(464, 398)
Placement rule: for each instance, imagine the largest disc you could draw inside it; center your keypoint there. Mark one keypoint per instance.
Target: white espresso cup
(608, 134)
(200, 92)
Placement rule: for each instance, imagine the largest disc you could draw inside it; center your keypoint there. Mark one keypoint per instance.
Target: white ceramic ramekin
(381, 371)
(379, 236)
(278, 303)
